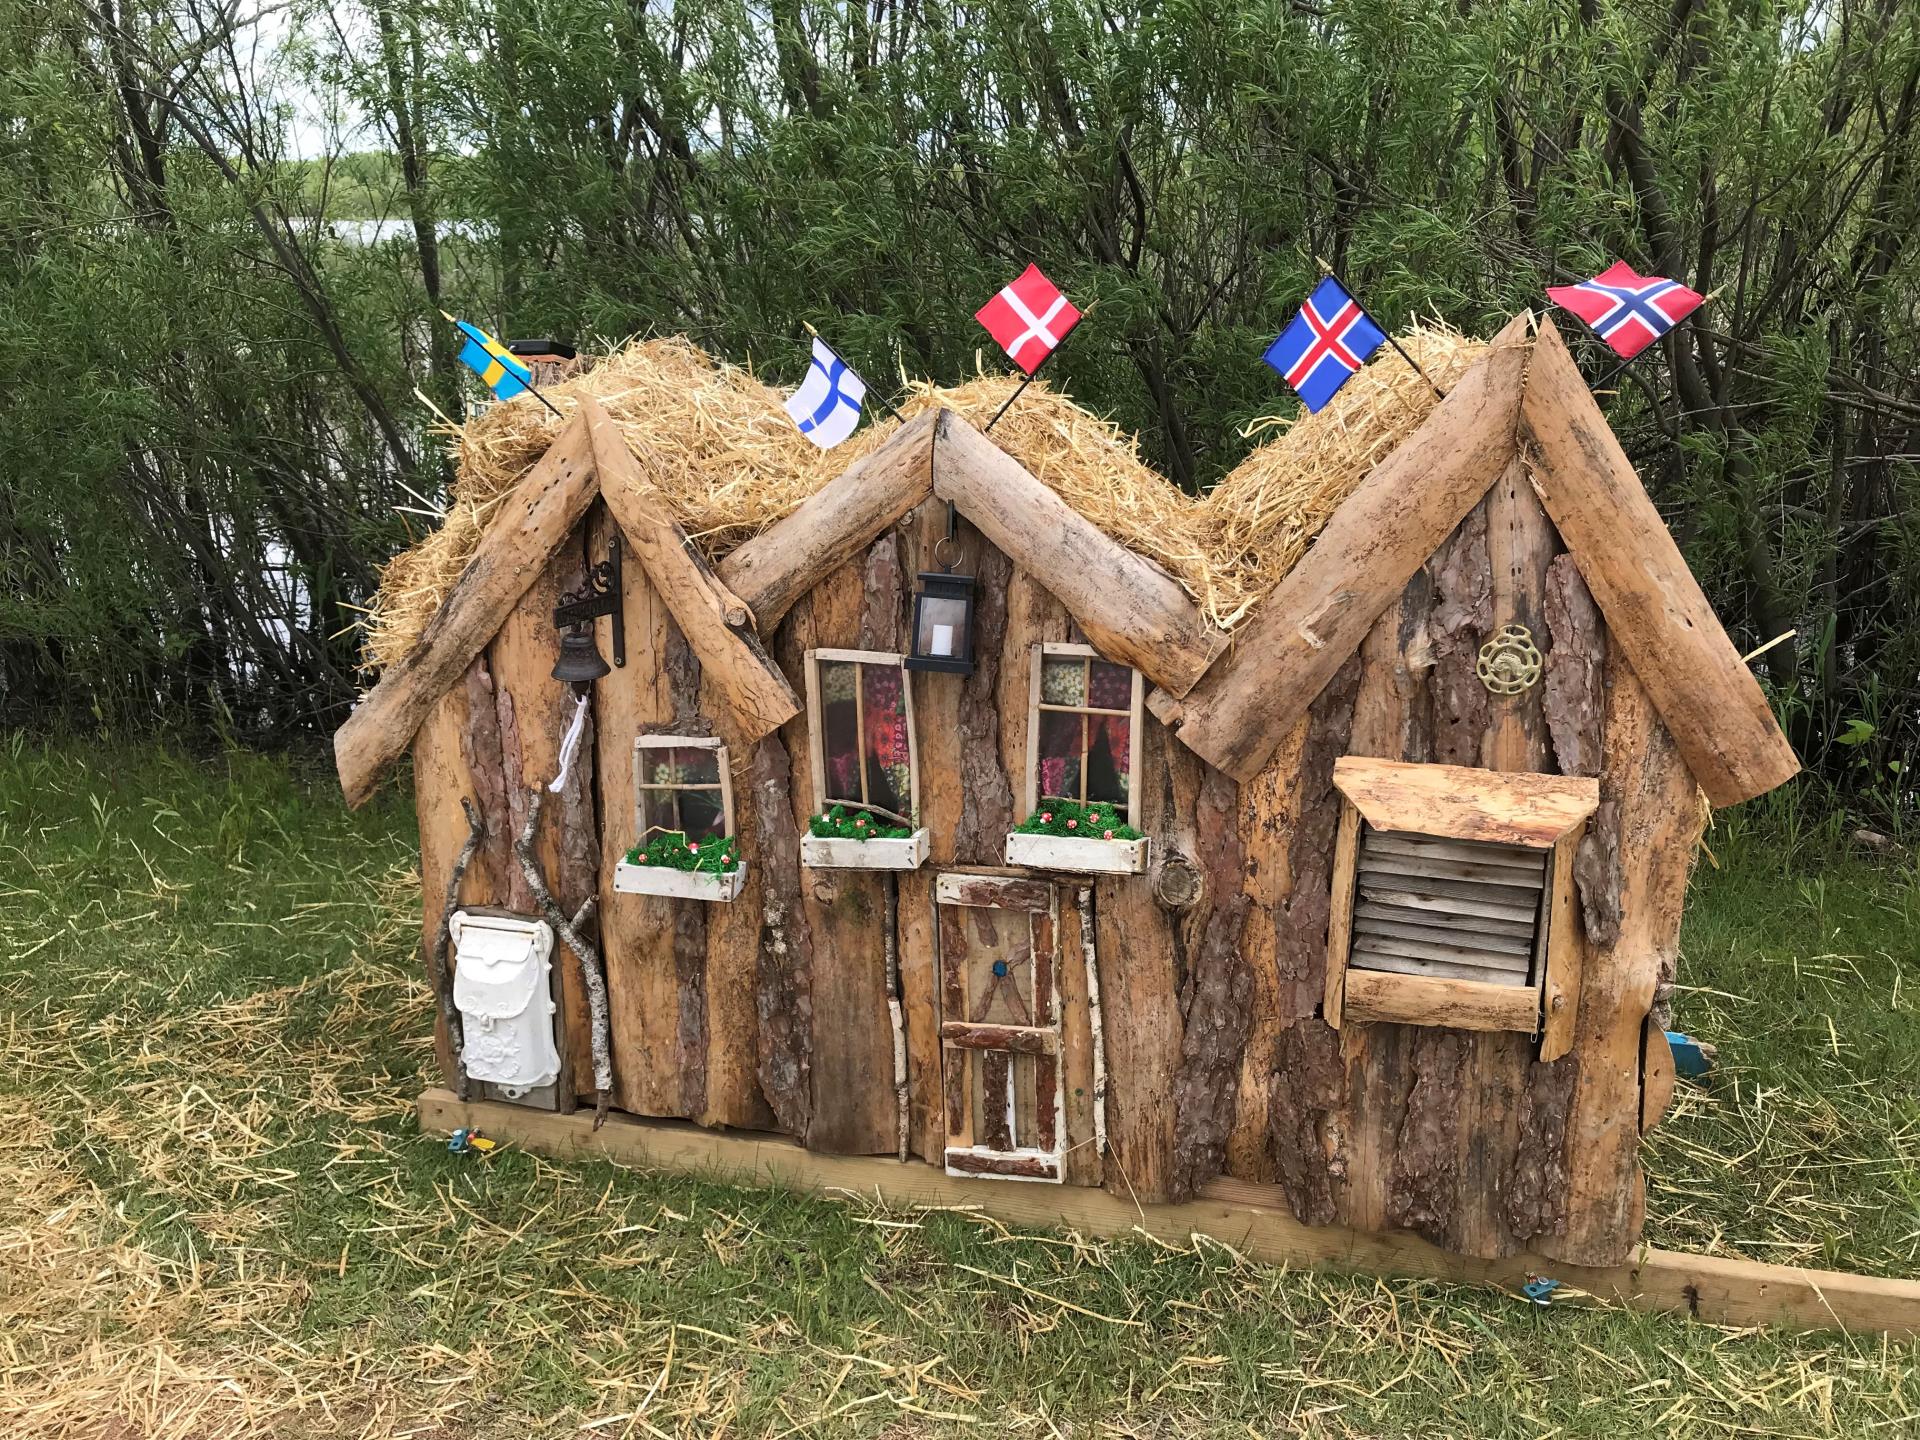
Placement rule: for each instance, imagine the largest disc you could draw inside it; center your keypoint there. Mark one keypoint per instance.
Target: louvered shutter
(1454, 909)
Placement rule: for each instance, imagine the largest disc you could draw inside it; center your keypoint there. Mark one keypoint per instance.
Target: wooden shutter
(1452, 898)
(1456, 909)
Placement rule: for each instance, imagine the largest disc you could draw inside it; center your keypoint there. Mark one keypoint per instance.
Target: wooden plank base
(1254, 1219)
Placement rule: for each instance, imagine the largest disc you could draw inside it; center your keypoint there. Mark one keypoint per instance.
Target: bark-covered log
(1309, 1091)
(1537, 1186)
(1219, 1015)
(1574, 701)
(1423, 1189)
(783, 978)
(1462, 617)
(981, 835)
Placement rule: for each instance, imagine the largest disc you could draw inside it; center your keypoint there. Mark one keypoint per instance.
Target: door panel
(1000, 1030)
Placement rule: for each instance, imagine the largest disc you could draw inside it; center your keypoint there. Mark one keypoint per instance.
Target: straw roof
(739, 466)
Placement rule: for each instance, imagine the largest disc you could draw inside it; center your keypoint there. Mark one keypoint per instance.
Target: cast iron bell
(579, 662)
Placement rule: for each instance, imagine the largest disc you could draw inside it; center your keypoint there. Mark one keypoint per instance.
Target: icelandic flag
(499, 370)
(826, 407)
(1029, 317)
(1627, 310)
(1325, 343)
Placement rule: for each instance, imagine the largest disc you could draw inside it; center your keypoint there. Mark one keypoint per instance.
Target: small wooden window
(1453, 898)
(860, 722)
(681, 782)
(1083, 729)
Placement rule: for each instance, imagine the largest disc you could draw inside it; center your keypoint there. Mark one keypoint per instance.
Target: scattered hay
(736, 465)
(219, 1222)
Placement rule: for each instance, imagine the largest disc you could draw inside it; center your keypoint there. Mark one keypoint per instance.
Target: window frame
(1136, 704)
(1526, 809)
(644, 743)
(816, 730)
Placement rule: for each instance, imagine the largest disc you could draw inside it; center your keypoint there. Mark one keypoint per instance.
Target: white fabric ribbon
(569, 745)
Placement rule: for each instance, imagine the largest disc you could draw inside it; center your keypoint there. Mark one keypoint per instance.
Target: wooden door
(1000, 1026)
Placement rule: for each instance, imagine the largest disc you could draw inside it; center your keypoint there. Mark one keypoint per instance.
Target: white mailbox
(500, 982)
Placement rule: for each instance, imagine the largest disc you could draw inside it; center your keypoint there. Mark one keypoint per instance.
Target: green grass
(219, 1220)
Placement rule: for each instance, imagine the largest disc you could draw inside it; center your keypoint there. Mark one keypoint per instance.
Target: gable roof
(589, 459)
(736, 465)
(1231, 695)
(1524, 399)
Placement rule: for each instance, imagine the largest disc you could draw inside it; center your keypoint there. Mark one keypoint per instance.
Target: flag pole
(1031, 377)
(843, 360)
(527, 384)
(1618, 370)
(1398, 349)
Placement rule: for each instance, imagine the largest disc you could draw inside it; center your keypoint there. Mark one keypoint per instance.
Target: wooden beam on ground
(1711, 703)
(528, 526)
(1253, 1218)
(1284, 655)
(783, 562)
(711, 617)
(1131, 610)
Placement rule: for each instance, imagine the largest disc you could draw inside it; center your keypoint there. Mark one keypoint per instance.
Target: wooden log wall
(1462, 1136)
(772, 1012)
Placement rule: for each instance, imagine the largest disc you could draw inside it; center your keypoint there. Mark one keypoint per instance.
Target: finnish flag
(826, 407)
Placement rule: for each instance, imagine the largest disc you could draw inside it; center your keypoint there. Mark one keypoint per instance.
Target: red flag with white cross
(1029, 318)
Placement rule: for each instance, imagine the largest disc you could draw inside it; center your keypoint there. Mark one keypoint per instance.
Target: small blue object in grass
(457, 1143)
(1539, 1289)
(1691, 1058)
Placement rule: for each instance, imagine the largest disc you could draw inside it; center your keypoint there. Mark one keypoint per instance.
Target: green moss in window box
(671, 850)
(840, 823)
(1077, 821)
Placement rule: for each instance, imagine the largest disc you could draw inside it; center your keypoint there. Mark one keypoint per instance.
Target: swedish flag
(490, 360)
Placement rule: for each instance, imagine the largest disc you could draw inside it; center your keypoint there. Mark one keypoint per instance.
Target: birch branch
(584, 954)
(438, 975)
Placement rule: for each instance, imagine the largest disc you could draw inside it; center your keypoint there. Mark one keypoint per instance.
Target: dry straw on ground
(735, 465)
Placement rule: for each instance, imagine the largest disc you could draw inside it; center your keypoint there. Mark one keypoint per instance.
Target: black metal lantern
(943, 624)
(580, 662)
(943, 616)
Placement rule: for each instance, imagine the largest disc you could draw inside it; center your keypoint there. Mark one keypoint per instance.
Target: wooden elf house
(1392, 950)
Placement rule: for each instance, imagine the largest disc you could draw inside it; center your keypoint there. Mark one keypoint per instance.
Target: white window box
(1082, 857)
(824, 852)
(632, 879)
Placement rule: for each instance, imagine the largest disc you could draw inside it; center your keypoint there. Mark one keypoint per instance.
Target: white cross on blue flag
(826, 407)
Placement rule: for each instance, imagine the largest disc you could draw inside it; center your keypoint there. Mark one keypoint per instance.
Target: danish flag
(1627, 310)
(1325, 343)
(1029, 318)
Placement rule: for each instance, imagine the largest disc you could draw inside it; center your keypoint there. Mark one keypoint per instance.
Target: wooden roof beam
(531, 523)
(779, 565)
(1131, 610)
(714, 621)
(1712, 705)
(1287, 651)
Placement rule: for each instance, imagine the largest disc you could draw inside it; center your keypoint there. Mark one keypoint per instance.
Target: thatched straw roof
(740, 466)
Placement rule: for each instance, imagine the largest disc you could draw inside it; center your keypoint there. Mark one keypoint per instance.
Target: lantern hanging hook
(949, 541)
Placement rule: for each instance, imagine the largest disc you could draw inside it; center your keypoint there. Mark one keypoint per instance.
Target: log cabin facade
(1396, 944)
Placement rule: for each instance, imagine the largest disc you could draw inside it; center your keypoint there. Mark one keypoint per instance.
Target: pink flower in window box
(1073, 824)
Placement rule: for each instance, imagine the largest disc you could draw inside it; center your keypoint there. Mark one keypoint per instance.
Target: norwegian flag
(1029, 318)
(1324, 344)
(1627, 310)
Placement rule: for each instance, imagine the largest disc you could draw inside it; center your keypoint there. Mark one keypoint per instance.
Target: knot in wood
(1177, 883)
